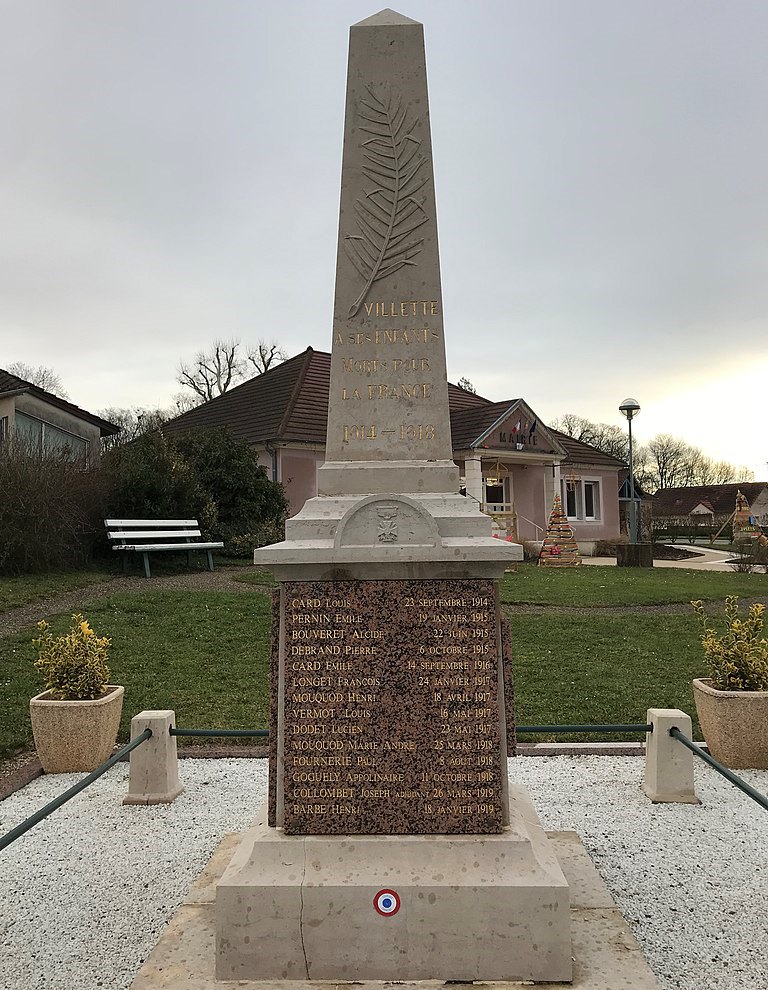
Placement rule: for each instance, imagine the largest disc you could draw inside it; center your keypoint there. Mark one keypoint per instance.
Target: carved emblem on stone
(387, 523)
(390, 212)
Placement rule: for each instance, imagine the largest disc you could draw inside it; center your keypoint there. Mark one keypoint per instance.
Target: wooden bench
(147, 536)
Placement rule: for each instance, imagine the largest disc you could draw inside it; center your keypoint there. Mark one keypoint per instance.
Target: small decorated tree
(560, 548)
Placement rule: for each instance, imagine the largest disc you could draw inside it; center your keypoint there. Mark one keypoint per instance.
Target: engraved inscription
(391, 212)
(391, 707)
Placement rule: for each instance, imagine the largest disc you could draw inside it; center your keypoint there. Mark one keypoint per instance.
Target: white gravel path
(85, 895)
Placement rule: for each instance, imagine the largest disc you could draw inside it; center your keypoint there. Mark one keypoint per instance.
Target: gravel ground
(85, 895)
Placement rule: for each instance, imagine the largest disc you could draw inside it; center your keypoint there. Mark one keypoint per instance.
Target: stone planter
(72, 736)
(734, 723)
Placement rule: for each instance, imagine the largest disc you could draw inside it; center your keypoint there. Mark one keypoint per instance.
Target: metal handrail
(729, 775)
(584, 728)
(38, 816)
(212, 733)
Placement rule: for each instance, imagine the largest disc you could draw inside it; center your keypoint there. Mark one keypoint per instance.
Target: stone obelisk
(392, 847)
(388, 425)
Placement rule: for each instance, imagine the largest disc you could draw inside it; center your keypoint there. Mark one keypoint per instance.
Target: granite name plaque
(390, 711)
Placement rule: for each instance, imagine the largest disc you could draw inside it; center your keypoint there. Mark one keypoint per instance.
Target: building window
(570, 502)
(591, 500)
(42, 437)
(494, 494)
(581, 499)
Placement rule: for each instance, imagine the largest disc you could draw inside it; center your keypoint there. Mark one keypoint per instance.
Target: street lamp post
(630, 408)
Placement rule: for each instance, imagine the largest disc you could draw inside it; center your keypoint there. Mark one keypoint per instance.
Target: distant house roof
(13, 385)
(289, 404)
(722, 498)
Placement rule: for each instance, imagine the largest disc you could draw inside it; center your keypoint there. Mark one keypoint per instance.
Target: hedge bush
(51, 510)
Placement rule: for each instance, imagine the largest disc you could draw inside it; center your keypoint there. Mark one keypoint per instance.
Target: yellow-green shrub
(74, 665)
(738, 659)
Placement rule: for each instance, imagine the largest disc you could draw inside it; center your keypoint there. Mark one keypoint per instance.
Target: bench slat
(151, 534)
(168, 546)
(166, 523)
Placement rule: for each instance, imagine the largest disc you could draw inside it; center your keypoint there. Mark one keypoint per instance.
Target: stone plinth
(395, 908)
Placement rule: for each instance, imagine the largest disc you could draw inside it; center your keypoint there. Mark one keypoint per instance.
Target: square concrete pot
(734, 723)
(73, 736)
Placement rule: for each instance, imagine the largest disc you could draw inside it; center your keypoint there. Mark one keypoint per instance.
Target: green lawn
(31, 588)
(206, 655)
(593, 585)
(597, 669)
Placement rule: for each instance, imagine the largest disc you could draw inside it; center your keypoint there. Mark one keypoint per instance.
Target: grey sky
(170, 173)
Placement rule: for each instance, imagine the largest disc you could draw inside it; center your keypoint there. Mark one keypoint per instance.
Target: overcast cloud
(170, 174)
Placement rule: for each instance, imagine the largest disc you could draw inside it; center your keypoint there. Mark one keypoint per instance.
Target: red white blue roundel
(387, 902)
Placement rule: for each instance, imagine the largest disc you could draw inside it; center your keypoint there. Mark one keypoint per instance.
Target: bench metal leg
(210, 560)
(125, 562)
(146, 564)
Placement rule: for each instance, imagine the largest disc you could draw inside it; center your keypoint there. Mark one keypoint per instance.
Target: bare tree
(467, 385)
(743, 473)
(265, 355)
(213, 371)
(132, 422)
(609, 439)
(183, 402)
(41, 376)
(665, 462)
(673, 463)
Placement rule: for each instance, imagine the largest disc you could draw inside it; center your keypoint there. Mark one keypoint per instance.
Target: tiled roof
(460, 398)
(469, 424)
(286, 403)
(13, 385)
(289, 403)
(722, 498)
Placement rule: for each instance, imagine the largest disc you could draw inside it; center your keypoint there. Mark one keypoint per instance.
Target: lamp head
(630, 408)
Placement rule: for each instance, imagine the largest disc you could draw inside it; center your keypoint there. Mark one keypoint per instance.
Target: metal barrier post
(154, 771)
(668, 767)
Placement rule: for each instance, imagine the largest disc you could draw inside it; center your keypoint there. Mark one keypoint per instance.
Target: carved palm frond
(390, 213)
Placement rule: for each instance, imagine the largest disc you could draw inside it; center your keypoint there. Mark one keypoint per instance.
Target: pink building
(511, 463)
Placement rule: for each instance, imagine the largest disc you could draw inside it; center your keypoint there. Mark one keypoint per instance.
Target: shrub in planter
(76, 718)
(732, 703)
(73, 666)
(738, 659)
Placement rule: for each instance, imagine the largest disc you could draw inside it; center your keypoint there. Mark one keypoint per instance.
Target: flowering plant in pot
(76, 718)
(732, 703)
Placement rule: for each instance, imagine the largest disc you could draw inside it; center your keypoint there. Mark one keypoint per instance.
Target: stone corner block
(668, 764)
(154, 766)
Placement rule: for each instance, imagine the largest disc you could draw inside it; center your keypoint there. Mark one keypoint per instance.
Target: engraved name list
(390, 712)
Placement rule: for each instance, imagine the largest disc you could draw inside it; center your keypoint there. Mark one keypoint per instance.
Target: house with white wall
(47, 423)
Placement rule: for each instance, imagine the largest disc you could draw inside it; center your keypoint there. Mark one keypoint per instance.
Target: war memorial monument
(393, 847)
